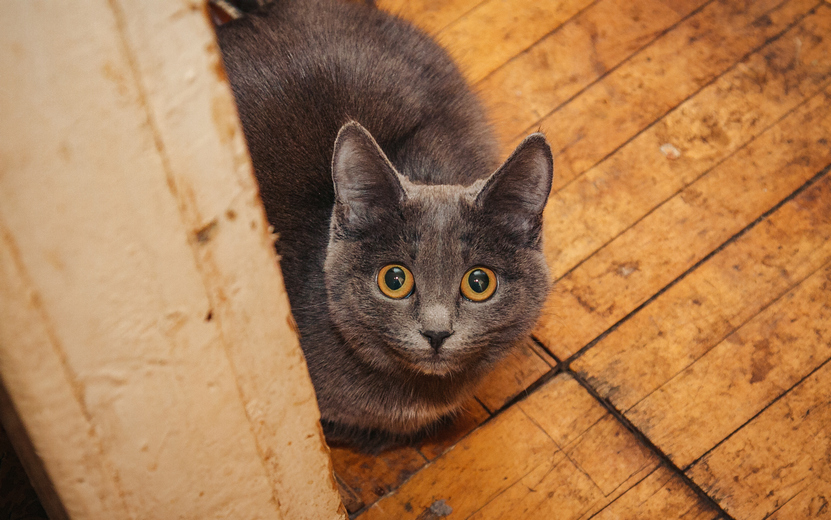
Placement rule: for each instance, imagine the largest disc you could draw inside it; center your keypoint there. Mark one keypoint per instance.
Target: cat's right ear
(366, 183)
(519, 189)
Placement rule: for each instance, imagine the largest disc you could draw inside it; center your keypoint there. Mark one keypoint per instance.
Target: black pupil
(395, 278)
(479, 280)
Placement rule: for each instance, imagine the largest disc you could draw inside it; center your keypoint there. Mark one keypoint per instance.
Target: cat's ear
(366, 183)
(519, 188)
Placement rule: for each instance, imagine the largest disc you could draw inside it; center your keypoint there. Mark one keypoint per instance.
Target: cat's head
(443, 279)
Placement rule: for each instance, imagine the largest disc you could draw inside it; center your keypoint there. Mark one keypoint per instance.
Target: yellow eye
(478, 284)
(395, 281)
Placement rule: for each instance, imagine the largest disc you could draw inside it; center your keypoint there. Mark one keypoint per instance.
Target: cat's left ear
(366, 183)
(519, 188)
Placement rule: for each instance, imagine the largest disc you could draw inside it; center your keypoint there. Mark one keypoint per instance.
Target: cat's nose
(436, 337)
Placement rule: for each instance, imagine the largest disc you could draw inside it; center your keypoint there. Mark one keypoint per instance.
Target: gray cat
(412, 262)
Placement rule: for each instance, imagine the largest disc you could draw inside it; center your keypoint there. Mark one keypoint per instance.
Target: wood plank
(497, 30)
(363, 479)
(682, 231)
(663, 494)
(370, 477)
(529, 87)
(691, 317)
(563, 409)
(603, 459)
(654, 81)
(556, 490)
(351, 501)
(473, 472)
(599, 454)
(151, 365)
(512, 376)
(783, 451)
(610, 454)
(709, 127)
(215, 189)
(471, 416)
(429, 15)
(812, 502)
(742, 374)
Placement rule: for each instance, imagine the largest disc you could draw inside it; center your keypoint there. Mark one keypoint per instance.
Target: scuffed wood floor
(681, 369)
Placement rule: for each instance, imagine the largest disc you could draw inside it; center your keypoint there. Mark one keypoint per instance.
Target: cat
(411, 258)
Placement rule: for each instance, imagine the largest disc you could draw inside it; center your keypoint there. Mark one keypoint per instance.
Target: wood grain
(680, 232)
(558, 489)
(812, 502)
(497, 30)
(513, 375)
(780, 453)
(351, 501)
(472, 415)
(661, 495)
(530, 86)
(152, 367)
(610, 454)
(370, 477)
(599, 461)
(740, 376)
(429, 15)
(694, 315)
(706, 129)
(473, 472)
(603, 460)
(630, 98)
(563, 409)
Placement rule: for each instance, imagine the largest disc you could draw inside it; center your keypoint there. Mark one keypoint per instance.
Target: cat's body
(426, 200)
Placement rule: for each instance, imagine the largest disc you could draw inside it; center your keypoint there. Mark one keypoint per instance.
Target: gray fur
(369, 150)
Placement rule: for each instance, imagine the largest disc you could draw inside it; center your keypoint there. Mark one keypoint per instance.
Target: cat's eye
(478, 284)
(395, 281)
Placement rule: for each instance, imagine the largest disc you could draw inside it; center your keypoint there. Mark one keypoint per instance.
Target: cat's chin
(440, 365)
(435, 367)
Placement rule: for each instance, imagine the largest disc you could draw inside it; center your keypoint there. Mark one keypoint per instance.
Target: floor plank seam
(742, 59)
(491, 499)
(546, 35)
(645, 441)
(564, 451)
(548, 376)
(546, 350)
(554, 371)
(820, 92)
(610, 71)
(435, 34)
(634, 485)
(807, 184)
(730, 332)
(786, 502)
(760, 412)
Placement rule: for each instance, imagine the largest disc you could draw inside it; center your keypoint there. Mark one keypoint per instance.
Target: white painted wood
(144, 330)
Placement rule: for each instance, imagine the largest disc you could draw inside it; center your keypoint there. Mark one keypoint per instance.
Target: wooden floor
(681, 369)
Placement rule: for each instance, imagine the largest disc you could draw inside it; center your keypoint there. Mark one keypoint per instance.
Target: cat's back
(301, 69)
